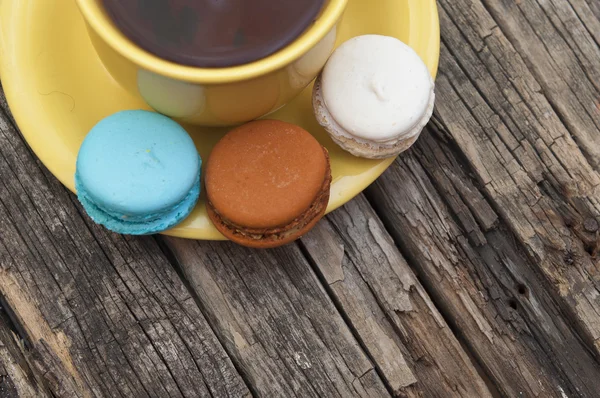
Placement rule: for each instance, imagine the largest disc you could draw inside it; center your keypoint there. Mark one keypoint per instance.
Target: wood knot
(591, 225)
(523, 290)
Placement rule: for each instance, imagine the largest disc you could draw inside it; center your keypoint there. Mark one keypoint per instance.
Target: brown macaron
(267, 183)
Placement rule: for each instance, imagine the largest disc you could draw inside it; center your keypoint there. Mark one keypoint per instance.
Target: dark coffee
(213, 33)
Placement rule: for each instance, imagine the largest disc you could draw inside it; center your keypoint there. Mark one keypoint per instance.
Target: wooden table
(469, 269)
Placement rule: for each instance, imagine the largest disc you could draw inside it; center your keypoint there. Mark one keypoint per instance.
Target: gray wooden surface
(469, 269)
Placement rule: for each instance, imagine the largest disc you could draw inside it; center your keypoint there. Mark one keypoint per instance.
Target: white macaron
(374, 96)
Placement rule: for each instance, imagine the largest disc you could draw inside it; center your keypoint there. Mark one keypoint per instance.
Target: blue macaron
(138, 173)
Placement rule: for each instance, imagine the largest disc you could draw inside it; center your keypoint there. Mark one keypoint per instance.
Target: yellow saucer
(57, 88)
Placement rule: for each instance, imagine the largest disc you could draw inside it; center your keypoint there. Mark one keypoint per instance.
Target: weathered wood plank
(578, 22)
(390, 311)
(594, 7)
(106, 315)
(484, 286)
(589, 14)
(275, 319)
(528, 163)
(577, 35)
(522, 286)
(16, 378)
(559, 52)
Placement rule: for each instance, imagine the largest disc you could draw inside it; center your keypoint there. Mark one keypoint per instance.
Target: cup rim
(100, 22)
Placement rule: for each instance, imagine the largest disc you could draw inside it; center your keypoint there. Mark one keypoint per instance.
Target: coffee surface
(212, 33)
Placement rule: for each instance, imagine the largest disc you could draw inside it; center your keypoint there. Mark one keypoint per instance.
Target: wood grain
(530, 166)
(560, 52)
(17, 380)
(480, 279)
(391, 313)
(509, 256)
(276, 320)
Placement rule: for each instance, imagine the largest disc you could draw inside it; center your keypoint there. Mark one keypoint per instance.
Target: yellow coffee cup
(214, 96)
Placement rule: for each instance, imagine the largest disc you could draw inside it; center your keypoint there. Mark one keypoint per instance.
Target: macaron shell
(274, 241)
(137, 163)
(265, 174)
(376, 87)
(362, 148)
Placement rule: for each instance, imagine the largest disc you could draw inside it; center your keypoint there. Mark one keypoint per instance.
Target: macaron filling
(138, 224)
(340, 131)
(130, 215)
